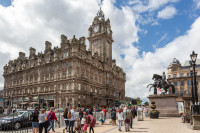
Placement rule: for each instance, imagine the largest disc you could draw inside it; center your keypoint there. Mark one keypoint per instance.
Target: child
(84, 128)
(182, 117)
(101, 117)
(83, 121)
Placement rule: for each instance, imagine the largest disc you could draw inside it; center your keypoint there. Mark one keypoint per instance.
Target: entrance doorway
(50, 103)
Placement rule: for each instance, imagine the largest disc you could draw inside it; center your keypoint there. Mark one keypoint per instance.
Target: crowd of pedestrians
(43, 121)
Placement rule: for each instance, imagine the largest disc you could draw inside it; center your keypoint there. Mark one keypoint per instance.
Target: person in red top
(52, 117)
(104, 110)
(91, 121)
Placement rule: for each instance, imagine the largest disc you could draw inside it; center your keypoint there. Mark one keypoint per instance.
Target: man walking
(52, 117)
(35, 122)
(104, 110)
(71, 116)
(131, 117)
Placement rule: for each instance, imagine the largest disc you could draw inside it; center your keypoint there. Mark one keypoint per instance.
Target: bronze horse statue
(160, 83)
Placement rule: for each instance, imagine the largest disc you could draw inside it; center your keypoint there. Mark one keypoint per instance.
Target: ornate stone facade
(180, 77)
(68, 74)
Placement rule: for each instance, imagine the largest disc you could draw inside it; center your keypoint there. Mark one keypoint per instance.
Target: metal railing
(12, 125)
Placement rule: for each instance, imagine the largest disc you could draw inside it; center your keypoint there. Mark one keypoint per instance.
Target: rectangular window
(70, 72)
(176, 92)
(182, 83)
(174, 75)
(70, 63)
(107, 82)
(181, 74)
(188, 74)
(64, 64)
(108, 75)
(64, 73)
(174, 68)
(182, 91)
(188, 91)
(188, 83)
(175, 83)
(79, 86)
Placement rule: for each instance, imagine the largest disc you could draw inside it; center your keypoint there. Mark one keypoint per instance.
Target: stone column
(66, 99)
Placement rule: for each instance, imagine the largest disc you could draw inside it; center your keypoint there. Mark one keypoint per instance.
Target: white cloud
(197, 2)
(152, 5)
(157, 62)
(167, 13)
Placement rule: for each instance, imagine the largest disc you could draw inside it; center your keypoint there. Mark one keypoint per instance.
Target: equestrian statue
(161, 82)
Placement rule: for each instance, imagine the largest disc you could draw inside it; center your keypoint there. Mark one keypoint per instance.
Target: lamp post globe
(193, 56)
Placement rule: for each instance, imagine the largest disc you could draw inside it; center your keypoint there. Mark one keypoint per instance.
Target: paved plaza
(161, 125)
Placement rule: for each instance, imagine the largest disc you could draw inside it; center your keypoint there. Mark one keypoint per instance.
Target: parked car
(21, 119)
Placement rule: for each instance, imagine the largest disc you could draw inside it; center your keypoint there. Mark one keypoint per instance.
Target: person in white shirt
(71, 119)
(120, 117)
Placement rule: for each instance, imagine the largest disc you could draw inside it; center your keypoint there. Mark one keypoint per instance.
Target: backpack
(49, 116)
(34, 116)
(69, 115)
(65, 114)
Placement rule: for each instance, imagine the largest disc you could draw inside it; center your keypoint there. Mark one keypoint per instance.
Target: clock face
(96, 29)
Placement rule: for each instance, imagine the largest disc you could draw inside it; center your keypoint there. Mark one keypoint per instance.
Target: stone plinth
(196, 122)
(165, 104)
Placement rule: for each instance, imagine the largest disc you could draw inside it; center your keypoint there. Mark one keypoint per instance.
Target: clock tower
(100, 37)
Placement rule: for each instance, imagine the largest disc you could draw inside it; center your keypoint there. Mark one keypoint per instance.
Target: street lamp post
(196, 107)
(193, 58)
(192, 89)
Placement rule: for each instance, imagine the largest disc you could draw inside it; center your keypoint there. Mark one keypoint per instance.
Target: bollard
(59, 120)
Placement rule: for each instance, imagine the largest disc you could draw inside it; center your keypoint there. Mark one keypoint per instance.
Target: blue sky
(147, 34)
(5, 3)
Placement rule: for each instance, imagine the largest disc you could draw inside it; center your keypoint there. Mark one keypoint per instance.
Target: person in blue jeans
(72, 119)
(53, 117)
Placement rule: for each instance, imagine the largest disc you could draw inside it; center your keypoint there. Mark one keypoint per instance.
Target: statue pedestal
(165, 104)
(196, 122)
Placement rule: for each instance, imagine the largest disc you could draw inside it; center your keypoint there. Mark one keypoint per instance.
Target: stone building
(69, 74)
(179, 75)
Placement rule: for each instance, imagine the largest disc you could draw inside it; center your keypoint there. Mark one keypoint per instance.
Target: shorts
(35, 124)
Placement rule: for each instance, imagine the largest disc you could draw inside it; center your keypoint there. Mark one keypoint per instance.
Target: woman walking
(65, 117)
(126, 118)
(113, 116)
(91, 122)
(120, 117)
(43, 121)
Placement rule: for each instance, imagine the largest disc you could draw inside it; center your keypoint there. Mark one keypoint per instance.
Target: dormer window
(174, 69)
